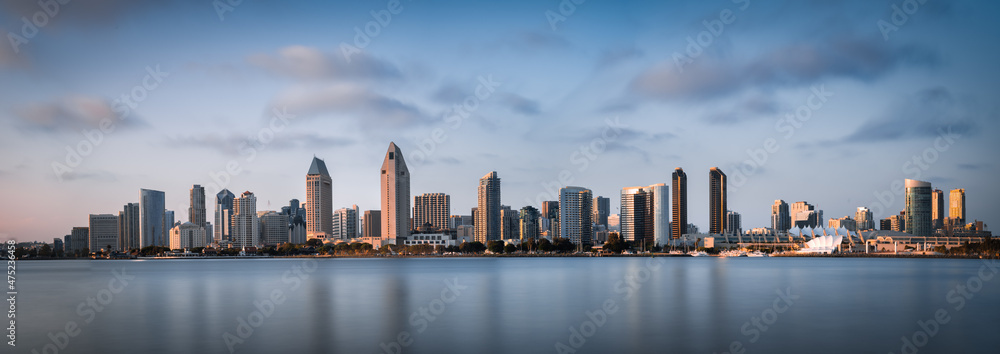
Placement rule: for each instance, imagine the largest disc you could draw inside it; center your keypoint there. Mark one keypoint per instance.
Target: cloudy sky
(602, 95)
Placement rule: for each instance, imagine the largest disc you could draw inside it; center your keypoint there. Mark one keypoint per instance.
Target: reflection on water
(509, 305)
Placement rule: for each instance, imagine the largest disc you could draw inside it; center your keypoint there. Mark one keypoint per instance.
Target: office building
(602, 209)
(188, 235)
(529, 228)
(938, 208)
(679, 191)
(128, 227)
(487, 213)
(864, 219)
(168, 221)
(805, 215)
(956, 210)
(372, 224)
(781, 219)
(716, 201)
(103, 232)
(844, 222)
(196, 212)
(246, 228)
(885, 224)
(319, 200)
(395, 190)
(224, 216)
(575, 213)
(346, 223)
(918, 208)
(79, 239)
(432, 210)
(273, 228)
(734, 223)
(152, 223)
(459, 220)
(510, 220)
(644, 214)
(57, 245)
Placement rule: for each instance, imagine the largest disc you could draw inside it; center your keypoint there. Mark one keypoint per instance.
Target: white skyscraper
(575, 215)
(246, 230)
(395, 189)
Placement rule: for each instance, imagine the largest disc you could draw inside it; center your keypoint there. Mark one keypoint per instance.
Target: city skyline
(917, 107)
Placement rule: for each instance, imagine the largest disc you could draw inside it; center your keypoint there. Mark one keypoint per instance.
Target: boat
(757, 254)
(698, 254)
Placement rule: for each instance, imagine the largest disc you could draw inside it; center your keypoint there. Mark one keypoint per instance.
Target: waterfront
(503, 305)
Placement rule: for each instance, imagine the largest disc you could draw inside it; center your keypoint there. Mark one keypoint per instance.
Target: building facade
(188, 235)
(487, 215)
(918, 208)
(956, 210)
(433, 210)
(273, 228)
(152, 215)
(224, 216)
(717, 201)
(602, 209)
(395, 191)
(319, 200)
(196, 212)
(781, 219)
(128, 227)
(246, 228)
(103, 232)
(679, 202)
(938, 207)
(346, 223)
(528, 223)
(575, 213)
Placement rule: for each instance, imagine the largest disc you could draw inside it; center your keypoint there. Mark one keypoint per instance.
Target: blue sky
(544, 120)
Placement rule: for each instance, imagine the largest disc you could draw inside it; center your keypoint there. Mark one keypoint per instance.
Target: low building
(187, 235)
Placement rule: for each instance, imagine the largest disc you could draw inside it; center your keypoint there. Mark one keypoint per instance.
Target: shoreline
(653, 255)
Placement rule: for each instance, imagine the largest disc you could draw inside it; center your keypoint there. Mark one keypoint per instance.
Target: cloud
(369, 107)
(100, 176)
(450, 93)
(798, 64)
(234, 143)
(520, 104)
(924, 114)
(308, 63)
(611, 57)
(755, 107)
(70, 114)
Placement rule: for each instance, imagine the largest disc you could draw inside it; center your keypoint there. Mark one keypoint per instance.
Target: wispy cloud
(350, 101)
(71, 114)
(308, 63)
(923, 114)
(520, 104)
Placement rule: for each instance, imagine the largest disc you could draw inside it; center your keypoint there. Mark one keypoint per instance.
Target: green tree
(495, 246)
(615, 243)
(314, 242)
(545, 245)
(46, 251)
(472, 247)
(509, 248)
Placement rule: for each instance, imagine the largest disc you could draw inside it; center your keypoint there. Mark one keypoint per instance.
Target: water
(509, 305)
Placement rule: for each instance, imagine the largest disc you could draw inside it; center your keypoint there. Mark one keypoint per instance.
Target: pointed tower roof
(393, 153)
(318, 167)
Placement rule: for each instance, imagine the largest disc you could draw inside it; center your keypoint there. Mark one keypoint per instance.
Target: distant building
(528, 223)
(864, 219)
(246, 228)
(957, 208)
(79, 239)
(128, 227)
(938, 207)
(487, 215)
(644, 214)
(395, 191)
(602, 209)
(845, 222)
(885, 224)
(734, 223)
(433, 209)
(196, 213)
(187, 235)
(805, 215)
(273, 228)
(372, 225)
(345, 223)
(898, 222)
(319, 200)
(510, 228)
(168, 221)
(224, 216)
(152, 223)
(575, 215)
(103, 232)
(918, 208)
(679, 191)
(459, 220)
(717, 199)
(781, 219)
(57, 245)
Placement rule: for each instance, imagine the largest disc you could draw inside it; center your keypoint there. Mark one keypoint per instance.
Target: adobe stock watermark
(913, 169)
(455, 117)
(900, 16)
(713, 29)
(264, 309)
(122, 106)
(381, 19)
(421, 319)
(88, 311)
(627, 288)
(958, 297)
(757, 326)
(582, 157)
(38, 20)
(249, 149)
(789, 124)
(566, 8)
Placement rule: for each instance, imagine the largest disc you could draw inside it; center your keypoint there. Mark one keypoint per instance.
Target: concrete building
(487, 214)
(781, 219)
(734, 223)
(395, 191)
(346, 223)
(644, 214)
(169, 221)
(103, 232)
(845, 222)
(864, 219)
(128, 227)
(528, 223)
(717, 201)
(187, 235)
(938, 207)
(679, 202)
(575, 214)
(459, 220)
(805, 215)
(372, 224)
(224, 216)
(319, 200)
(246, 227)
(602, 209)
(956, 211)
(273, 228)
(432, 209)
(79, 239)
(510, 221)
(196, 212)
(152, 223)
(918, 208)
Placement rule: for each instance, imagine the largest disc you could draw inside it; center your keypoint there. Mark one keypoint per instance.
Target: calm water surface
(510, 305)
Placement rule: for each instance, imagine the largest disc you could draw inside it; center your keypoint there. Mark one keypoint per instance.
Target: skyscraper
(345, 223)
(680, 214)
(918, 208)
(152, 210)
(372, 224)
(103, 232)
(128, 227)
(510, 223)
(529, 223)
(273, 228)
(224, 215)
(734, 223)
(575, 215)
(79, 239)
(319, 200)
(487, 218)
(433, 209)
(781, 220)
(196, 212)
(168, 223)
(602, 208)
(957, 207)
(716, 201)
(937, 209)
(395, 189)
(805, 215)
(636, 216)
(864, 219)
(246, 229)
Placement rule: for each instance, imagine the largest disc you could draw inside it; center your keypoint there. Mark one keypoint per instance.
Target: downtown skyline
(882, 105)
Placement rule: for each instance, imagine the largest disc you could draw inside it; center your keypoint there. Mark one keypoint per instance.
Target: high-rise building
(938, 207)
(918, 208)
(187, 235)
(602, 209)
(128, 227)
(246, 228)
(844, 222)
(57, 245)
(550, 212)
(395, 189)
(529, 223)
(716, 201)
(898, 222)
(885, 224)
(319, 200)
(575, 213)
(550, 209)
(372, 224)
(510, 220)
(864, 219)
(488, 210)
(152, 218)
(432, 209)
(345, 223)
(79, 239)
(459, 220)
(273, 228)
(643, 215)
(168, 221)
(734, 223)
(781, 219)
(196, 213)
(680, 217)
(224, 215)
(805, 215)
(103, 232)
(956, 208)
